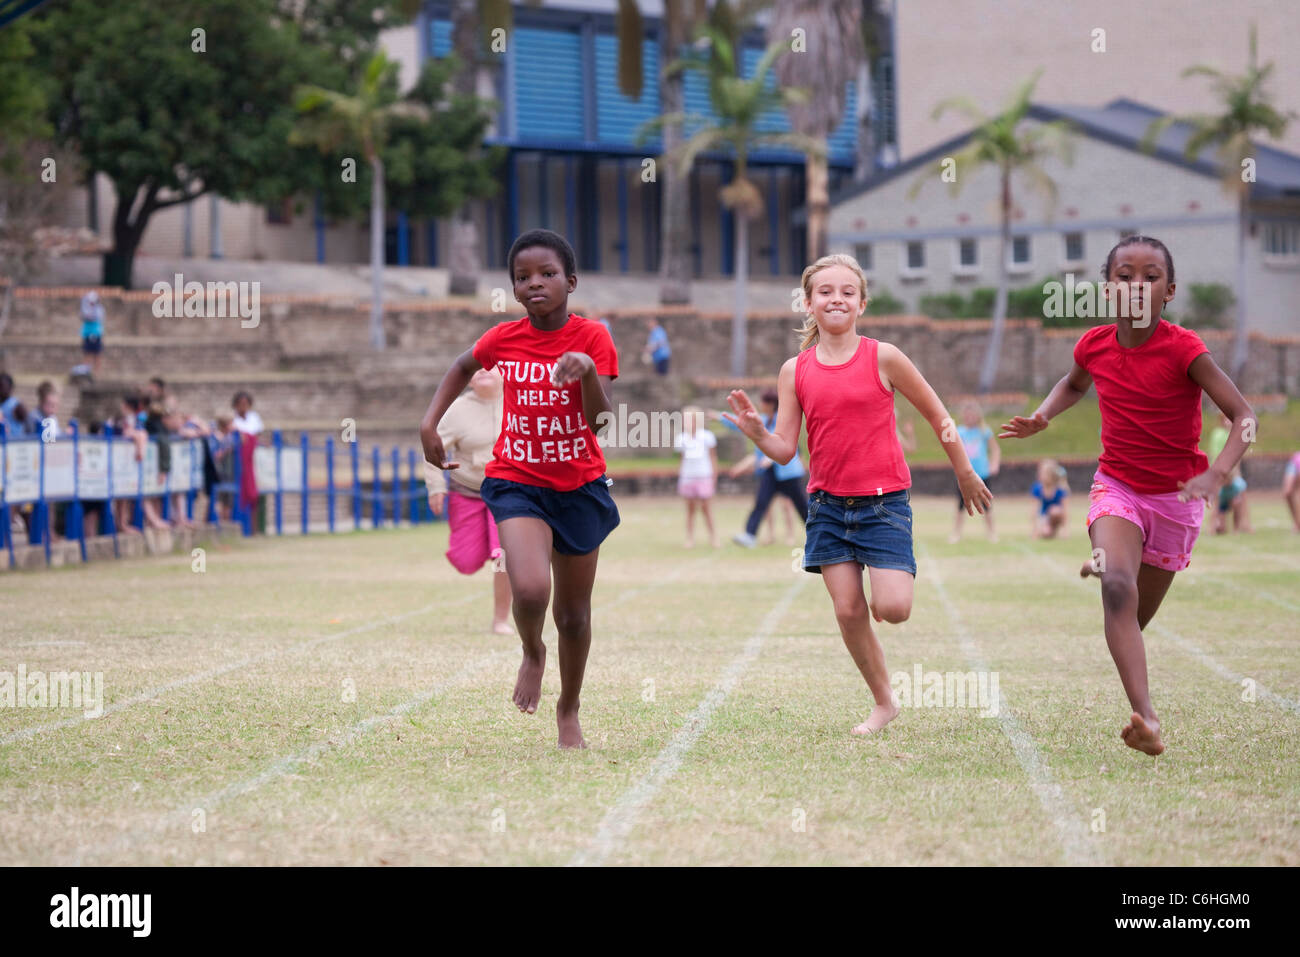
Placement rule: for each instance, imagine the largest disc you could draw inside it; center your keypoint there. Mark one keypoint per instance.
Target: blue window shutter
(548, 83)
(618, 117)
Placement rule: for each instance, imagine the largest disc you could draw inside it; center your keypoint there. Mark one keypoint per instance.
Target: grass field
(718, 703)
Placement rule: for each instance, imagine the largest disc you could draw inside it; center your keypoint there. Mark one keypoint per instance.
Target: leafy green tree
(1246, 111)
(426, 141)
(174, 101)
(739, 107)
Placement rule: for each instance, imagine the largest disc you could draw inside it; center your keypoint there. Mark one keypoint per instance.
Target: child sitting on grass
(1051, 491)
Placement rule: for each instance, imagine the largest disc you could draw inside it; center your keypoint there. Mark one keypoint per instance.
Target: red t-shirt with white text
(545, 439)
(1150, 406)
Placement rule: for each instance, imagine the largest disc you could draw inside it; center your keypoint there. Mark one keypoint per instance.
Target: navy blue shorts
(872, 530)
(580, 520)
(92, 345)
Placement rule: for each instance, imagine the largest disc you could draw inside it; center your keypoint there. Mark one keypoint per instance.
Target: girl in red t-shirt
(546, 485)
(859, 512)
(1148, 495)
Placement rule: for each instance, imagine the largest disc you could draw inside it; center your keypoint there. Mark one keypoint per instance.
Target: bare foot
(1088, 569)
(502, 628)
(880, 716)
(1143, 735)
(954, 538)
(528, 685)
(873, 612)
(690, 543)
(570, 730)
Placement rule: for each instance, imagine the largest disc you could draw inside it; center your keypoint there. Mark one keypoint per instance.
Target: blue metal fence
(400, 499)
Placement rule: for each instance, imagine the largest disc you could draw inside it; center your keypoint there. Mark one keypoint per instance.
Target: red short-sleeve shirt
(545, 439)
(1150, 406)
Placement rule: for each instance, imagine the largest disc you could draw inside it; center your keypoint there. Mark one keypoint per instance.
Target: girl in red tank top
(859, 513)
(1149, 492)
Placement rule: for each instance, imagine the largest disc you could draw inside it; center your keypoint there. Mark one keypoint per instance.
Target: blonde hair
(808, 332)
(1056, 474)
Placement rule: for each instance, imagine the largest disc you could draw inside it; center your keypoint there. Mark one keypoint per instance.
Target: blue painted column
(696, 246)
(621, 172)
(403, 240)
(512, 196)
(543, 192)
(728, 224)
(773, 227)
(320, 227)
(570, 200)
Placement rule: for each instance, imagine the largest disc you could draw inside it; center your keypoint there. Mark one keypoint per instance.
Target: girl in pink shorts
(698, 477)
(469, 431)
(1153, 481)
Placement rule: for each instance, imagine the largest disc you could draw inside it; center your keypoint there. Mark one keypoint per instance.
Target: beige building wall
(1107, 189)
(984, 48)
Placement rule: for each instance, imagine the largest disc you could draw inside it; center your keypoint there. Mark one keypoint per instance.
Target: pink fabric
(473, 533)
(1169, 527)
(695, 488)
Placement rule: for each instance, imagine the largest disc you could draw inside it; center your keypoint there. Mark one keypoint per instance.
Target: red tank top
(853, 446)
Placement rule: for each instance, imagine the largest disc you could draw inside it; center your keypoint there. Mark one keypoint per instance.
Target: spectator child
(1232, 497)
(697, 480)
(92, 329)
(985, 457)
(469, 431)
(1050, 490)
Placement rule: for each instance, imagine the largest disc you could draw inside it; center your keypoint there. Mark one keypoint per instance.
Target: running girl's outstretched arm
(453, 383)
(1072, 387)
(781, 444)
(1205, 372)
(907, 379)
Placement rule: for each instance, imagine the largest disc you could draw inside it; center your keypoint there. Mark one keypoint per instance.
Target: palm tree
(470, 19)
(1247, 110)
(332, 120)
(738, 107)
(833, 33)
(998, 141)
(680, 18)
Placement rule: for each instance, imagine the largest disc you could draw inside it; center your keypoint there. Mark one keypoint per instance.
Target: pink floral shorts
(1169, 527)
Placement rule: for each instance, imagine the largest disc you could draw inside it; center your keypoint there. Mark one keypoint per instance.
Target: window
(1020, 250)
(967, 255)
(862, 253)
(1282, 241)
(1074, 247)
(281, 213)
(915, 256)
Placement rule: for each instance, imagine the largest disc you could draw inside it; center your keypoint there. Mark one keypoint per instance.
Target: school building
(573, 162)
(941, 242)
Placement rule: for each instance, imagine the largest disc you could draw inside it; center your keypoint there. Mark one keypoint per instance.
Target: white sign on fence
(21, 469)
(290, 469)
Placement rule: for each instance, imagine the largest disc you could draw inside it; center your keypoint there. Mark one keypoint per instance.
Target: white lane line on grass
(1071, 831)
(183, 816)
(200, 676)
(1188, 647)
(621, 818)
